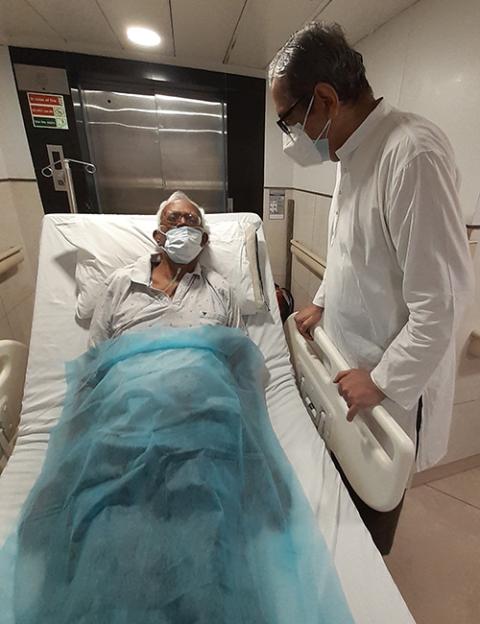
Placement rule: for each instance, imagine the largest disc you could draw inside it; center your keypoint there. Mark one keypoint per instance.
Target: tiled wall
(21, 211)
(310, 229)
(276, 237)
(21, 214)
(310, 226)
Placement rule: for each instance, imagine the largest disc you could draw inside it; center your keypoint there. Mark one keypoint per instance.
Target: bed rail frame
(374, 452)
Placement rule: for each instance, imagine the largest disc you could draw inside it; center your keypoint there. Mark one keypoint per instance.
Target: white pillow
(107, 242)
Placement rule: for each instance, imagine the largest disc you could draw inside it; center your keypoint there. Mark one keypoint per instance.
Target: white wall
(318, 179)
(3, 166)
(21, 211)
(426, 61)
(278, 173)
(278, 170)
(13, 140)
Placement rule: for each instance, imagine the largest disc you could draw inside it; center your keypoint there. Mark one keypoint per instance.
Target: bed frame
(376, 455)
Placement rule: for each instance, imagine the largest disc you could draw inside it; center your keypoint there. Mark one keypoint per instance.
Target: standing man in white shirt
(399, 271)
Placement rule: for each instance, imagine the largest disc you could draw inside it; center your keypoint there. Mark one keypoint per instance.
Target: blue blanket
(165, 497)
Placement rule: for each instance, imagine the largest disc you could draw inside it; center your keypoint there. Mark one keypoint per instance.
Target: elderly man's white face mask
(183, 244)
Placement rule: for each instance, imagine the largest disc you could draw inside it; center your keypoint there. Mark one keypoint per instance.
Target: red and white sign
(45, 98)
(47, 110)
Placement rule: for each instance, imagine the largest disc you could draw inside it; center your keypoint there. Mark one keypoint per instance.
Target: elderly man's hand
(307, 318)
(358, 390)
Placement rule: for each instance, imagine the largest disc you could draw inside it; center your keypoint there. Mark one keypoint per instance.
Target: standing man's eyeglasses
(281, 123)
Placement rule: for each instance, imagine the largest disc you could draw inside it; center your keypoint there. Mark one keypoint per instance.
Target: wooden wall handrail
(308, 258)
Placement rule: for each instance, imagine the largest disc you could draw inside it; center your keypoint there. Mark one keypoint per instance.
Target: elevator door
(147, 146)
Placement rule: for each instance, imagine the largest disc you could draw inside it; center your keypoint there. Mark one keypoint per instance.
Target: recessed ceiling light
(143, 36)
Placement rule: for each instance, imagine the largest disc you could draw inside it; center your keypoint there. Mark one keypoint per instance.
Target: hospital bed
(57, 337)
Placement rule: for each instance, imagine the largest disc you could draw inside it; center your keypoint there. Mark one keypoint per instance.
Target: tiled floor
(435, 560)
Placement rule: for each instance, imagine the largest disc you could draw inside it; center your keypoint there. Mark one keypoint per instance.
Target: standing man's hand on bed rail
(307, 318)
(358, 390)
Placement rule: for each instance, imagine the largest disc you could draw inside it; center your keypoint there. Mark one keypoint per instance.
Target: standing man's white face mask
(301, 148)
(312, 125)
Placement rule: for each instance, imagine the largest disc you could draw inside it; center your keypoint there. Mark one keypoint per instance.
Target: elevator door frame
(152, 91)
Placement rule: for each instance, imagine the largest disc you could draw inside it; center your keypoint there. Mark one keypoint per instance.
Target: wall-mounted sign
(276, 204)
(47, 110)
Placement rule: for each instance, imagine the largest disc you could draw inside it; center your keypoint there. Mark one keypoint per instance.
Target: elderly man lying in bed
(168, 288)
(165, 496)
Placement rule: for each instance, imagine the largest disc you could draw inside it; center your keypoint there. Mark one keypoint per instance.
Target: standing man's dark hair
(317, 53)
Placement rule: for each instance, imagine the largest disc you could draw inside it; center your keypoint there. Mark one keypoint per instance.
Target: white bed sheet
(56, 337)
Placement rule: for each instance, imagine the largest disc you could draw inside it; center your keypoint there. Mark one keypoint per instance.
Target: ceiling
(239, 36)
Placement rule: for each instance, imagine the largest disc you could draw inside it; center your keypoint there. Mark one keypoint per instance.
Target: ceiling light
(143, 36)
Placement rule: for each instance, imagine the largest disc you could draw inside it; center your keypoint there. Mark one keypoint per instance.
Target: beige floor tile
(435, 558)
(464, 485)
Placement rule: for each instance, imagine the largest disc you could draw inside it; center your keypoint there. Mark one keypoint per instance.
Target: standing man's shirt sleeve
(427, 231)
(101, 324)
(319, 299)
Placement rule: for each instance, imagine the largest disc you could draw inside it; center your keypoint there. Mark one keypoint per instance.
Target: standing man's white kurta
(399, 270)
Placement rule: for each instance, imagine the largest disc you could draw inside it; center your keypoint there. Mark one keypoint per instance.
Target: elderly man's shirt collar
(141, 271)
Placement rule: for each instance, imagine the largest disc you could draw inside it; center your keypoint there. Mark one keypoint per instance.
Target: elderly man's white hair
(175, 197)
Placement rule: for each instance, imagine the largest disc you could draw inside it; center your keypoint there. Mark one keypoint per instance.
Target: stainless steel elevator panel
(192, 145)
(147, 146)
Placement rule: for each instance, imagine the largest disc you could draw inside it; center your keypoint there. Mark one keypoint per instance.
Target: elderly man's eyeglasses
(281, 123)
(190, 218)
